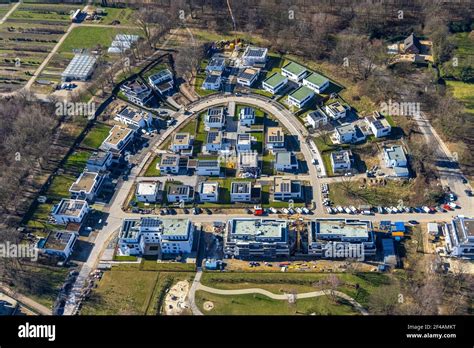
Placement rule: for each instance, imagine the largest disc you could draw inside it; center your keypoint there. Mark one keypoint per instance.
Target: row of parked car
(392, 210)
(287, 211)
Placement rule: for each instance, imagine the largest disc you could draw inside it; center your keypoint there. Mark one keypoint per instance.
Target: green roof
(301, 93)
(275, 80)
(316, 79)
(294, 68)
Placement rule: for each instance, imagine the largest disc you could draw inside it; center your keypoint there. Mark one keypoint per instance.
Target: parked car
(413, 222)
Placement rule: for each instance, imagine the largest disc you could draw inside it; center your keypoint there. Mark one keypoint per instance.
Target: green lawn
(76, 162)
(91, 38)
(256, 304)
(126, 16)
(152, 170)
(96, 135)
(463, 52)
(59, 187)
(52, 12)
(267, 163)
(463, 92)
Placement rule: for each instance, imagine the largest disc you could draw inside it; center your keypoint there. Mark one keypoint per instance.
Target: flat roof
(165, 73)
(275, 80)
(254, 229)
(214, 137)
(182, 139)
(85, 182)
(286, 185)
(341, 157)
(147, 187)
(317, 114)
(80, 66)
(117, 134)
(243, 139)
(247, 112)
(99, 157)
(248, 159)
(286, 158)
(255, 52)
(247, 73)
(240, 187)
(301, 93)
(294, 68)
(316, 79)
(208, 164)
(169, 160)
(177, 189)
(133, 113)
(57, 240)
(216, 61)
(336, 107)
(345, 128)
(341, 227)
(71, 207)
(395, 153)
(275, 134)
(209, 187)
(175, 227)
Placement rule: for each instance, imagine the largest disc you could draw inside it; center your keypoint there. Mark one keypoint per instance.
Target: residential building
(215, 118)
(241, 191)
(181, 141)
(212, 83)
(275, 138)
(378, 125)
(154, 236)
(208, 168)
(317, 118)
(274, 83)
(244, 142)
(99, 161)
(285, 189)
(70, 210)
(134, 117)
(300, 97)
(216, 65)
(395, 158)
(169, 164)
(247, 162)
(180, 193)
(348, 133)
(316, 82)
(58, 243)
(208, 191)
(247, 77)
(341, 239)
(286, 162)
(87, 186)
(294, 71)
(254, 56)
(335, 110)
(118, 139)
(459, 237)
(148, 191)
(162, 81)
(247, 116)
(80, 68)
(341, 160)
(214, 141)
(136, 92)
(256, 238)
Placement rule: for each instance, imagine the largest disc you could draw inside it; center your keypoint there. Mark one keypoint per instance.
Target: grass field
(96, 136)
(152, 170)
(76, 162)
(256, 304)
(126, 16)
(131, 290)
(463, 92)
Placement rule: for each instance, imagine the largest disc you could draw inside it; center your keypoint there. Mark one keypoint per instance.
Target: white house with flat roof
(214, 141)
(300, 97)
(341, 160)
(135, 117)
(254, 56)
(247, 116)
(275, 138)
(147, 191)
(181, 141)
(247, 77)
(348, 133)
(294, 71)
(316, 82)
(136, 92)
(169, 164)
(208, 168)
(176, 236)
(274, 83)
(241, 191)
(161, 76)
(119, 137)
(286, 161)
(285, 189)
(70, 210)
(394, 156)
(216, 65)
(247, 162)
(215, 118)
(378, 125)
(316, 118)
(99, 161)
(459, 237)
(341, 239)
(87, 186)
(208, 191)
(244, 142)
(335, 110)
(58, 243)
(179, 193)
(212, 83)
(249, 238)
